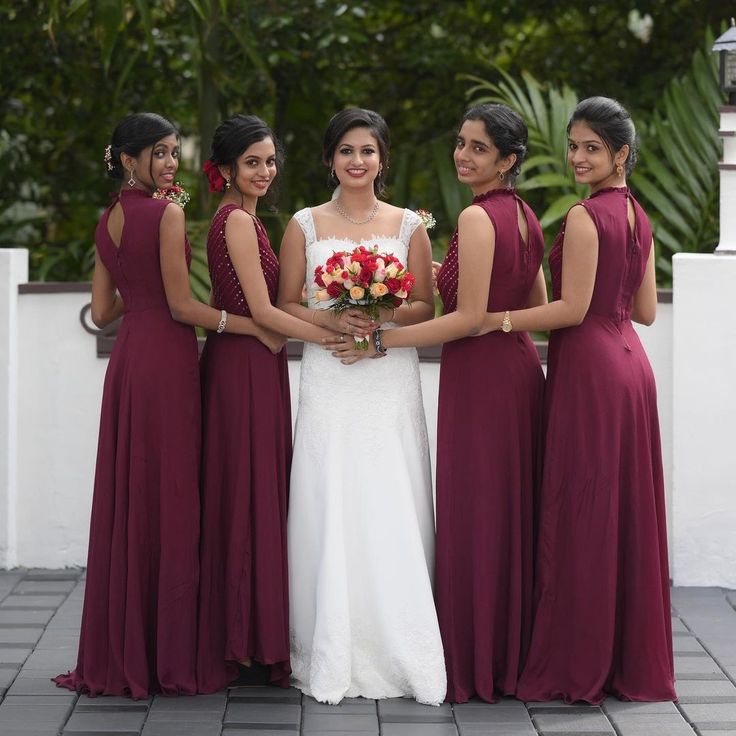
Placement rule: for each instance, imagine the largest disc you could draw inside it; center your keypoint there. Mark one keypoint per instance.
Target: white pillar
(13, 271)
(704, 420)
(727, 132)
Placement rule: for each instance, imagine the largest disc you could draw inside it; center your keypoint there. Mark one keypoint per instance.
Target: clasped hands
(349, 324)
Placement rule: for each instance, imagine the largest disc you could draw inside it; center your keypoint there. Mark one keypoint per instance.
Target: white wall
(704, 419)
(58, 396)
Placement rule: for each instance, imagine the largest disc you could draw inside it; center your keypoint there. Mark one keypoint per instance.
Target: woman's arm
(107, 305)
(175, 275)
(242, 246)
(645, 299)
(579, 263)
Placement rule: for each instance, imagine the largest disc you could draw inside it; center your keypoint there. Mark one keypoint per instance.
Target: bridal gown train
(361, 522)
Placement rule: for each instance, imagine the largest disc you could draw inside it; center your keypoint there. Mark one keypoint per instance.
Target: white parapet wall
(704, 420)
(57, 393)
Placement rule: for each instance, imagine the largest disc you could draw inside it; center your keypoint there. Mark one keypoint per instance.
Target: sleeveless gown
(243, 610)
(361, 526)
(602, 621)
(489, 424)
(139, 623)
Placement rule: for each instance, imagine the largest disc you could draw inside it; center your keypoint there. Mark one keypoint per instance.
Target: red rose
(397, 302)
(366, 275)
(393, 285)
(334, 289)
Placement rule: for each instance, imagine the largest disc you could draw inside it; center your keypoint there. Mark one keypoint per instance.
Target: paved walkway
(39, 628)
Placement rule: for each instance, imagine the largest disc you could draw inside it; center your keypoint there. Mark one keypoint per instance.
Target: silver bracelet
(222, 322)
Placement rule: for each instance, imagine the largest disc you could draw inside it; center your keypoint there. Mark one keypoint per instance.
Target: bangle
(378, 343)
(223, 321)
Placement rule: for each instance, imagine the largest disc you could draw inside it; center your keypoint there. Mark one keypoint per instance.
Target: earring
(380, 168)
(131, 181)
(619, 169)
(332, 174)
(227, 183)
(501, 175)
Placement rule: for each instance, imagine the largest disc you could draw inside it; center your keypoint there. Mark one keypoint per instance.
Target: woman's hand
(352, 321)
(274, 341)
(436, 266)
(344, 348)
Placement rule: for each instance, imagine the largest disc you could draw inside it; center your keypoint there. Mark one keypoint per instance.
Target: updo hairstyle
(346, 120)
(132, 135)
(609, 120)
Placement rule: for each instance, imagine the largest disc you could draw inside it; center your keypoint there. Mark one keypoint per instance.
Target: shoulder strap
(409, 223)
(306, 223)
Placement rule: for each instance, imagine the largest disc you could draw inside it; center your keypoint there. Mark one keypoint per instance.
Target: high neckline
(493, 193)
(623, 189)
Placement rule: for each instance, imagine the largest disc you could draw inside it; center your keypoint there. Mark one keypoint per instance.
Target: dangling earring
(227, 183)
(619, 169)
(131, 181)
(332, 174)
(501, 175)
(380, 168)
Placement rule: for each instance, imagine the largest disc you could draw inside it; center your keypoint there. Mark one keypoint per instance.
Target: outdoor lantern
(726, 45)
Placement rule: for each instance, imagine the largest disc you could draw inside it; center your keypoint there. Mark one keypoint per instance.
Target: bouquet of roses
(363, 278)
(174, 193)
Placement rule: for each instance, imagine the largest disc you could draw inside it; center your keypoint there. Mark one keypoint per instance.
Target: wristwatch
(506, 325)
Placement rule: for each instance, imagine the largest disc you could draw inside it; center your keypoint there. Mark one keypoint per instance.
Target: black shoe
(257, 675)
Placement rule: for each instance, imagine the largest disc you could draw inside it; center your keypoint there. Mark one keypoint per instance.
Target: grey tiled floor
(39, 630)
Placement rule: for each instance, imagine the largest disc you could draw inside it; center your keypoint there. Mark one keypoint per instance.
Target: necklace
(342, 212)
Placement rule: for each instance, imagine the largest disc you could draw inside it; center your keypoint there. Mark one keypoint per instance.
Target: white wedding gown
(361, 522)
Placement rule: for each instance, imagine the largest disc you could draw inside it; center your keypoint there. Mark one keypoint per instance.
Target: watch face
(506, 326)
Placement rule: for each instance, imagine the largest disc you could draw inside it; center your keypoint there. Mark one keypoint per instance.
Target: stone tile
(688, 645)
(48, 659)
(197, 708)
(678, 626)
(715, 689)
(269, 695)
(25, 638)
(32, 716)
(25, 618)
(700, 676)
(466, 715)
(635, 726)
(109, 703)
(181, 728)
(695, 665)
(573, 723)
(59, 639)
(260, 714)
(14, 656)
(42, 573)
(7, 675)
(347, 706)
(406, 710)
(39, 731)
(120, 723)
(228, 730)
(320, 723)
(44, 587)
(702, 714)
(418, 729)
(41, 685)
(29, 602)
(504, 729)
(615, 708)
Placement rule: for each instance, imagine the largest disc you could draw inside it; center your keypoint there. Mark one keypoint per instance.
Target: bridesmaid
(138, 634)
(490, 414)
(243, 610)
(602, 600)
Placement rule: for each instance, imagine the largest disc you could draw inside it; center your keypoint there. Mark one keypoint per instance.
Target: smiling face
(477, 160)
(255, 169)
(155, 167)
(591, 160)
(357, 159)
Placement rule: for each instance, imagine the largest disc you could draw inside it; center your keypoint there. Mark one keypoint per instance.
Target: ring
(342, 338)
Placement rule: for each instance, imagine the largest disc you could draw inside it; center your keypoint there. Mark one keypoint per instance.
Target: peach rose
(357, 292)
(322, 296)
(327, 278)
(378, 290)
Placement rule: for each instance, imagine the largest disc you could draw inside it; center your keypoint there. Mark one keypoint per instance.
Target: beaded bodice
(226, 290)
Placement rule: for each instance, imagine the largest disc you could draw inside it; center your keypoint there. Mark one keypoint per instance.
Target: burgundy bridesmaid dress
(244, 608)
(602, 602)
(139, 628)
(488, 467)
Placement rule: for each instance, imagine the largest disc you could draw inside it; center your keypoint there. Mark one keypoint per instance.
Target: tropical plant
(678, 177)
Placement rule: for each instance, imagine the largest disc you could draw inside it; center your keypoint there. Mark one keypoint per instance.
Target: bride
(361, 523)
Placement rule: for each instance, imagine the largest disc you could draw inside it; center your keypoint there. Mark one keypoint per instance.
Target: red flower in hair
(215, 178)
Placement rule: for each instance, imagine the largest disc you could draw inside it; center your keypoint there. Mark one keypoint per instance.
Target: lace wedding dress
(361, 523)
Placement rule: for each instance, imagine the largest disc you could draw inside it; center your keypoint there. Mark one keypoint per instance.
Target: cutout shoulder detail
(115, 224)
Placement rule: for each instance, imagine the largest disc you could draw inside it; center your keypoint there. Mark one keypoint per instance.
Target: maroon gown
(602, 602)
(244, 606)
(488, 467)
(139, 628)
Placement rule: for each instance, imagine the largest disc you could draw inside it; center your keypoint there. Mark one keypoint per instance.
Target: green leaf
(558, 209)
(546, 180)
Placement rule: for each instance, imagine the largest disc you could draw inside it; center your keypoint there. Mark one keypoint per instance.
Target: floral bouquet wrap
(363, 278)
